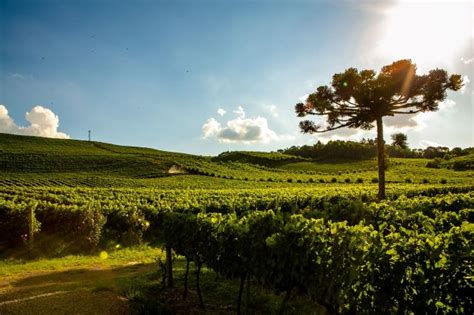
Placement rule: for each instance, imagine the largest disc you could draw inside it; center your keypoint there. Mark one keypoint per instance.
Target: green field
(284, 234)
(29, 161)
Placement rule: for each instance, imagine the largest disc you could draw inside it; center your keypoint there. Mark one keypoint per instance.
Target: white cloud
(403, 123)
(429, 143)
(272, 109)
(241, 130)
(221, 111)
(400, 122)
(303, 98)
(422, 119)
(466, 81)
(347, 134)
(43, 123)
(240, 112)
(6, 123)
(211, 128)
(447, 104)
(467, 61)
(17, 76)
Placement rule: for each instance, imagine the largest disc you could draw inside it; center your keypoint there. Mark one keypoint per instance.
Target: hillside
(34, 161)
(271, 159)
(57, 157)
(83, 223)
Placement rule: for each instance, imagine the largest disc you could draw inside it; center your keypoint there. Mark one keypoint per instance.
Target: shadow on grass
(76, 291)
(137, 289)
(219, 295)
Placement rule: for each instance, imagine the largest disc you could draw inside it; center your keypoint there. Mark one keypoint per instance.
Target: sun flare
(429, 32)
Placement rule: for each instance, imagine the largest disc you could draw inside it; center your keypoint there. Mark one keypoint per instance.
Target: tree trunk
(285, 302)
(241, 289)
(247, 305)
(381, 158)
(185, 293)
(169, 266)
(198, 287)
(31, 231)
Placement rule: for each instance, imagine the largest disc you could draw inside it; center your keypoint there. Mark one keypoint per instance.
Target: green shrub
(126, 226)
(71, 229)
(334, 180)
(436, 163)
(14, 225)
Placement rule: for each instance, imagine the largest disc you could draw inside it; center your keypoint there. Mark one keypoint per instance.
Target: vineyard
(264, 222)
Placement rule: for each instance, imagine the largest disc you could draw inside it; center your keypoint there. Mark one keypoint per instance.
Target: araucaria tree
(360, 99)
(400, 140)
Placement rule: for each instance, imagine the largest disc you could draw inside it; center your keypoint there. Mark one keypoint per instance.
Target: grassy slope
(42, 155)
(461, 162)
(101, 284)
(33, 161)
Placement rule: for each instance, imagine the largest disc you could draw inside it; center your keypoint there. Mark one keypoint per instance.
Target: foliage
(272, 159)
(14, 222)
(358, 99)
(70, 228)
(298, 233)
(344, 267)
(399, 140)
(334, 150)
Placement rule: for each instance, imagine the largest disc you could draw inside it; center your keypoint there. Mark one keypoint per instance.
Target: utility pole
(89, 135)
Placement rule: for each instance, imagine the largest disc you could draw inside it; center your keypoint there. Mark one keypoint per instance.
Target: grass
(119, 279)
(32, 161)
(331, 167)
(89, 284)
(142, 255)
(128, 280)
(148, 294)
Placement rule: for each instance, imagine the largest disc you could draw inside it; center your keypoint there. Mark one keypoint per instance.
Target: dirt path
(91, 289)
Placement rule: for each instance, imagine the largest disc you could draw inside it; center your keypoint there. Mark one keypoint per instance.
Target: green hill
(460, 163)
(23, 154)
(270, 159)
(34, 161)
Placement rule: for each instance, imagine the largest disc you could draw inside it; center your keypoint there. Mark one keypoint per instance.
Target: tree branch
(334, 128)
(410, 112)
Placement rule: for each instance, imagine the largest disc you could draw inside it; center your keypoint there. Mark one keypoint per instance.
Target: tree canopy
(358, 99)
(355, 99)
(400, 140)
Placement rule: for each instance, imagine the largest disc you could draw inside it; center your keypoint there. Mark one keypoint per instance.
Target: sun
(428, 32)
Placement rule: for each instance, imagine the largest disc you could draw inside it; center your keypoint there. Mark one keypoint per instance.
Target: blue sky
(155, 74)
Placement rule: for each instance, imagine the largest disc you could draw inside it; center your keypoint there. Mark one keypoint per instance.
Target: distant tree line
(334, 150)
(367, 148)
